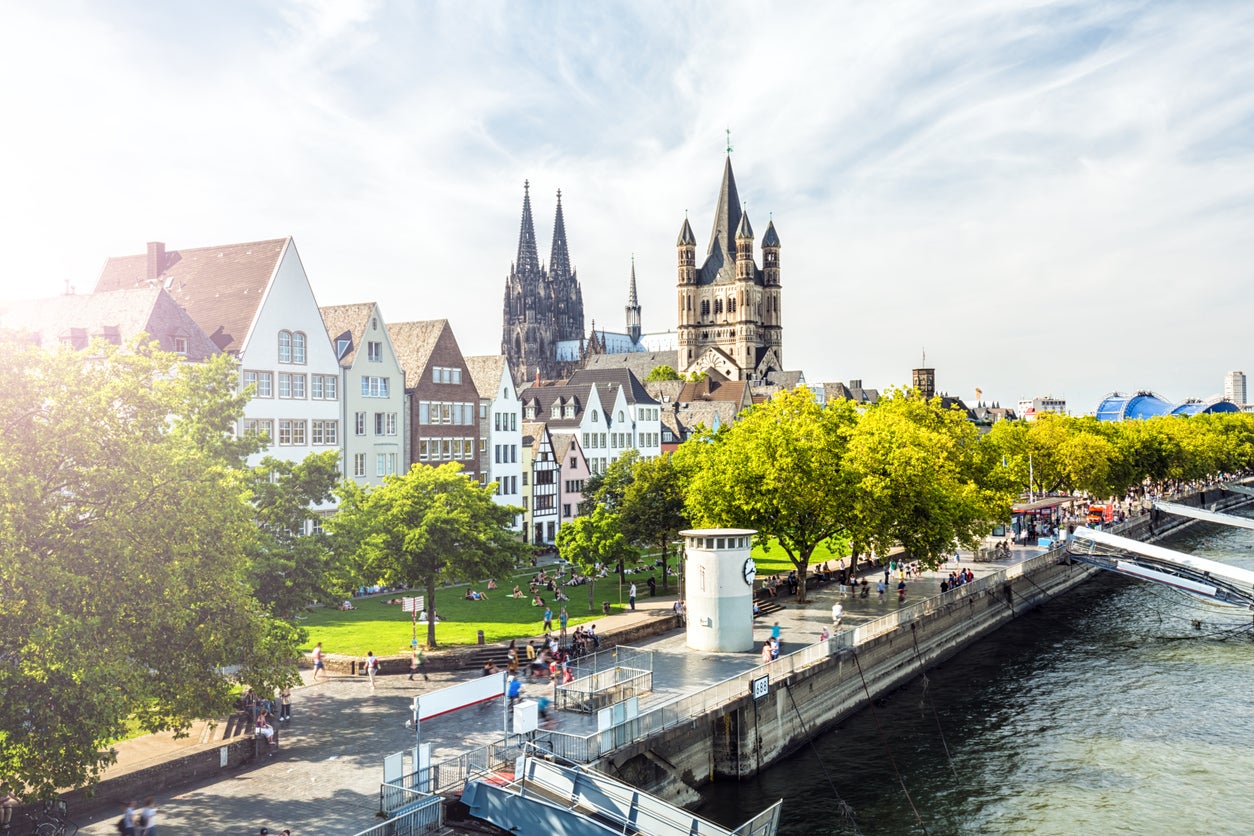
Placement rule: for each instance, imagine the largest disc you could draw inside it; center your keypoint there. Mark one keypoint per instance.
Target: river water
(1104, 711)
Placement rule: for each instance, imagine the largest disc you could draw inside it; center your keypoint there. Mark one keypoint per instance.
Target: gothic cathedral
(542, 307)
(729, 308)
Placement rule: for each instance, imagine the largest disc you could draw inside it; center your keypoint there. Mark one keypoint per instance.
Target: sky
(1044, 198)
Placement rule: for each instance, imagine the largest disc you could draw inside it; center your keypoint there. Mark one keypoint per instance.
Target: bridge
(1198, 576)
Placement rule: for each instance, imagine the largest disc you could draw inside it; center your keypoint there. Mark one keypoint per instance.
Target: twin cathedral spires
(730, 318)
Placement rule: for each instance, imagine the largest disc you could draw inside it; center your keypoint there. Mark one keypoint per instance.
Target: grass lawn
(387, 630)
(774, 560)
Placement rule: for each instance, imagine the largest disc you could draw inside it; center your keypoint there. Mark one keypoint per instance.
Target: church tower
(729, 308)
(633, 306)
(542, 307)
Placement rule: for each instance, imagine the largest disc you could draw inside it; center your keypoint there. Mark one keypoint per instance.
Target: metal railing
(423, 814)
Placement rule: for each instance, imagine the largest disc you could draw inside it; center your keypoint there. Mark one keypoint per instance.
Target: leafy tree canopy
(653, 505)
(290, 568)
(424, 528)
(124, 543)
(593, 541)
(608, 488)
(779, 469)
(663, 373)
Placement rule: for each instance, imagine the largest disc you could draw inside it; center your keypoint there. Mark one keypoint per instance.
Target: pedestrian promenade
(325, 776)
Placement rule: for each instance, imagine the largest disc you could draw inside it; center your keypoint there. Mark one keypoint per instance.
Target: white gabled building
(608, 409)
(255, 302)
(374, 416)
(500, 428)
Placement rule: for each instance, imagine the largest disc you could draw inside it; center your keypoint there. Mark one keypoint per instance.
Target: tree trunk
(431, 613)
(664, 557)
(803, 570)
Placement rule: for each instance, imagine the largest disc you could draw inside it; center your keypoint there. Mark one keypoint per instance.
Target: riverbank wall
(807, 698)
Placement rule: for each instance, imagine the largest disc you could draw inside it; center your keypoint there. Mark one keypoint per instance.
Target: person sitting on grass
(537, 601)
(518, 593)
(491, 584)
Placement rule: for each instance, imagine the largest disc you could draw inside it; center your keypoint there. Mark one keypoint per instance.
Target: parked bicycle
(52, 820)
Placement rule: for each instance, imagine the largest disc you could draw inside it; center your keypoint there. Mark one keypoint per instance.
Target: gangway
(543, 796)
(1203, 514)
(1198, 576)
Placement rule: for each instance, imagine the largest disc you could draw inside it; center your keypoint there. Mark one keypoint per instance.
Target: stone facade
(542, 306)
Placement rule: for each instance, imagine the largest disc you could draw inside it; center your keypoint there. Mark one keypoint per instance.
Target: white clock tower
(719, 575)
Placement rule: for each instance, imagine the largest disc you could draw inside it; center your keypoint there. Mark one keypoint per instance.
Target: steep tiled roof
(533, 434)
(414, 342)
(221, 287)
(544, 396)
(624, 378)
(664, 391)
(711, 388)
(115, 315)
(352, 319)
(486, 371)
(639, 362)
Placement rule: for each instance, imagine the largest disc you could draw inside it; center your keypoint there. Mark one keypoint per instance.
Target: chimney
(855, 384)
(156, 259)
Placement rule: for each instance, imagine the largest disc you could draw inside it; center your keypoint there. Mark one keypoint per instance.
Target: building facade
(542, 306)
(374, 416)
(1234, 388)
(1033, 408)
(541, 474)
(254, 301)
(500, 428)
(442, 400)
(730, 317)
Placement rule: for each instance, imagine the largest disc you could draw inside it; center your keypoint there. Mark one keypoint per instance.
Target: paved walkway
(326, 775)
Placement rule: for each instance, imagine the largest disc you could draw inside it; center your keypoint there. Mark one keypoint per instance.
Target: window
(483, 409)
(374, 352)
(483, 445)
(322, 387)
(325, 432)
(374, 387)
(574, 462)
(262, 380)
(285, 346)
(298, 348)
(257, 426)
(566, 509)
(298, 386)
(524, 476)
(390, 424)
(513, 422)
(424, 412)
(378, 423)
(359, 423)
(180, 345)
(620, 415)
(359, 465)
(423, 449)
(594, 416)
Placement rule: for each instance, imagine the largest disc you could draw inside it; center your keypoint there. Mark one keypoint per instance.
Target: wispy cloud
(1049, 198)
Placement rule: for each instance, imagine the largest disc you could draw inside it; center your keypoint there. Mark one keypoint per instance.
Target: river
(1104, 711)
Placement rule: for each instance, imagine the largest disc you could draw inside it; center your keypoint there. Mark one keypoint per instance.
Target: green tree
(663, 373)
(920, 479)
(593, 541)
(653, 506)
(289, 566)
(779, 469)
(124, 543)
(424, 528)
(608, 488)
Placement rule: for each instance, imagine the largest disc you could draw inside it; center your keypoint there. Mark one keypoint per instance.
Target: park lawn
(386, 630)
(774, 560)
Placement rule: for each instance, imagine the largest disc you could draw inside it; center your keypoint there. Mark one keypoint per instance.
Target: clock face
(749, 571)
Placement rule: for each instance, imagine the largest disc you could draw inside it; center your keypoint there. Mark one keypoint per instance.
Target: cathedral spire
(633, 306)
(559, 258)
(528, 261)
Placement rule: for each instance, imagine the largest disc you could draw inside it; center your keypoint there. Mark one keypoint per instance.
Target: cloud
(1049, 198)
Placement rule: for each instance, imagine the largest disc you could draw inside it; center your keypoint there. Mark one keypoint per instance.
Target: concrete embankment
(741, 737)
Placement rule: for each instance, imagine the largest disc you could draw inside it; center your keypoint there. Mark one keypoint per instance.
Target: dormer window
(556, 411)
(180, 345)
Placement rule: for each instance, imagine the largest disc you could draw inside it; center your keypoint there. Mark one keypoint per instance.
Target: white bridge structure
(1198, 576)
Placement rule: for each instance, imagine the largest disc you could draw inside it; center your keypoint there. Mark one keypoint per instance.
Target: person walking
(148, 818)
(372, 666)
(126, 826)
(319, 668)
(901, 591)
(285, 704)
(563, 618)
(548, 619)
(415, 664)
(881, 588)
(631, 595)
(838, 612)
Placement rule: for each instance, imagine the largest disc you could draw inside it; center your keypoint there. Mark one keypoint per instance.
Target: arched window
(594, 416)
(285, 346)
(620, 415)
(298, 347)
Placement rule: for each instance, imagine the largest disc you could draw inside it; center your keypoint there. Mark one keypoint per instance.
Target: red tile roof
(220, 287)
